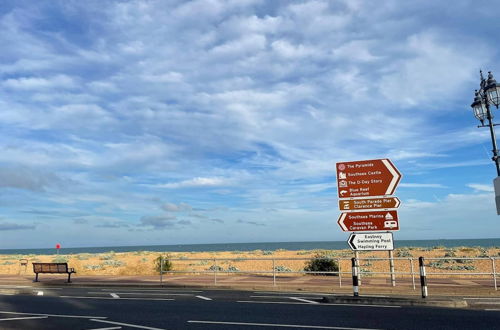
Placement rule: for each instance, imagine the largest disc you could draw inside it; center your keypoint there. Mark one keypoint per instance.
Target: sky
(217, 121)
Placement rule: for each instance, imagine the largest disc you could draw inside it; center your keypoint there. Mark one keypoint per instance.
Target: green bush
(282, 269)
(320, 263)
(60, 259)
(216, 268)
(113, 263)
(165, 260)
(403, 253)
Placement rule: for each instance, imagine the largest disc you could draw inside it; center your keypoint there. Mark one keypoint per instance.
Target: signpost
(369, 203)
(364, 188)
(369, 221)
(371, 242)
(367, 178)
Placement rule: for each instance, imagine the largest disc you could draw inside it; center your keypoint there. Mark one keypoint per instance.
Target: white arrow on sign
(396, 176)
(371, 242)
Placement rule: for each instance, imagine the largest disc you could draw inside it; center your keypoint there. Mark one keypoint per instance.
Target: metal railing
(276, 272)
(215, 270)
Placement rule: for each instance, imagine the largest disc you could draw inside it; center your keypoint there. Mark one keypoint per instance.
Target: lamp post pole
(487, 95)
(493, 137)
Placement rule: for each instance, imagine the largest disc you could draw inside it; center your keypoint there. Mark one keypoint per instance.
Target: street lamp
(489, 94)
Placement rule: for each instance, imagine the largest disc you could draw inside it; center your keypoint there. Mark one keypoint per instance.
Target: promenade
(438, 286)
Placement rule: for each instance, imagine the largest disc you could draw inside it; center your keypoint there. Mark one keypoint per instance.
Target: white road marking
(39, 293)
(121, 298)
(492, 298)
(114, 295)
(304, 300)
(489, 303)
(145, 293)
(127, 325)
(56, 315)
(492, 310)
(299, 303)
(150, 290)
(279, 325)
(111, 328)
(24, 318)
(282, 297)
(204, 298)
(297, 293)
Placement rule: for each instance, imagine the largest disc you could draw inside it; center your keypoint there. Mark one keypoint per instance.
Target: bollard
(355, 284)
(423, 277)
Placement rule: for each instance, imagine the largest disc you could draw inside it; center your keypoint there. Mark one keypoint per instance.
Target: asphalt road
(147, 308)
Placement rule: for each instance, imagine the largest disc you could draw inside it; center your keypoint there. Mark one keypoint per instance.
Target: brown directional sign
(367, 178)
(369, 221)
(369, 203)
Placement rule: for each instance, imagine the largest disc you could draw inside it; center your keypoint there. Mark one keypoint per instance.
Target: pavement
(408, 287)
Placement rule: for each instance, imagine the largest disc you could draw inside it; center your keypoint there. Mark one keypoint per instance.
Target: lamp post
(487, 95)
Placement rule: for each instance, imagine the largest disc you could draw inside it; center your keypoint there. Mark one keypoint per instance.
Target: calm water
(332, 245)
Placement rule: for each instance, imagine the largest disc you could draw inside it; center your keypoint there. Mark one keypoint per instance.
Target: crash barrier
(431, 267)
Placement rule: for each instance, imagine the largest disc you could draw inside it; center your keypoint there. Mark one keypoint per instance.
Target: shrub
(60, 259)
(163, 263)
(320, 263)
(282, 269)
(113, 263)
(217, 268)
(404, 253)
(232, 269)
(267, 253)
(93, 267)
(8, 263)
(106, 257)
(450, 254)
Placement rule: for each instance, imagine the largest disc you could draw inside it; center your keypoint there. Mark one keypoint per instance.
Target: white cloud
(197, 182)
(481, 187)
(421, 185)
(37, 83)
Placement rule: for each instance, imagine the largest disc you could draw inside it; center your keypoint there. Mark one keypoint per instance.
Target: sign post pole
(356, 258)
(391, 267)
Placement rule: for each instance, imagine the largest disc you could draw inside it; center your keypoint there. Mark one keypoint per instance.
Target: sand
(143, 262)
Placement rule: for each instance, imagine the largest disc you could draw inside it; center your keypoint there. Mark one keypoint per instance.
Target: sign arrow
(371, 242)
(369, 203)
(350, 241)
(369, 221)
(366, 178)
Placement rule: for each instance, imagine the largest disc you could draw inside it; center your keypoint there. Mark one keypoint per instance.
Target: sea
(265, 246)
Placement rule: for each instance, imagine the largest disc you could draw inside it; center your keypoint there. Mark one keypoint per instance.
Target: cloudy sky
(170, 122)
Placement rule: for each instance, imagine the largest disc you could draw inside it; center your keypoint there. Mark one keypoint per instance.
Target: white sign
(371, 242)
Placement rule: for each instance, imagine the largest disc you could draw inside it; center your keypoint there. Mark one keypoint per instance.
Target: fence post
(274, 272)
(391, 268)
(412, 273)
(215, 271)
(355, 284)
(161, 270)
(340, 273)
(494, 272)
(423, 277)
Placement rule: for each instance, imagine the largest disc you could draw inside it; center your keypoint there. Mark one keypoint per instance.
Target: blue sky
(170, 122)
